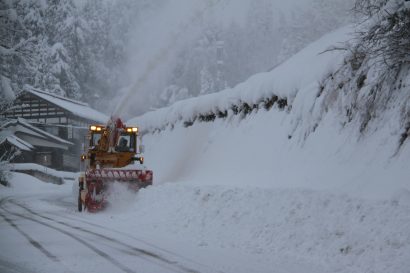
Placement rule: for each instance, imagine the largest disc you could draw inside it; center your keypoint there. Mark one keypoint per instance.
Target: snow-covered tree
(386, 32)
(81, 49)
(206, 82)
(65, 42)
(173, 93)
(310, 23)
(7, 155)
(18, 58)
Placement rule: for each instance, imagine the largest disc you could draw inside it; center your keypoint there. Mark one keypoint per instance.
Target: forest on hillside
(93, 50)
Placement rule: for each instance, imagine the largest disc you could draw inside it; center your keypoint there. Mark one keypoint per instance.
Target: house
(57, 116)
(34, 145)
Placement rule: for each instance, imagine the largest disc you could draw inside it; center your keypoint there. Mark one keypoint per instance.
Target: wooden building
(34, 145)
(62, 117)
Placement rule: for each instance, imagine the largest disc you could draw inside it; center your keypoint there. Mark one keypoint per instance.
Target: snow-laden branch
(16, 49)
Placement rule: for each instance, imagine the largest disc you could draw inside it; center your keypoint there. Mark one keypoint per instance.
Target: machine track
(149, 256)
(33, 242)
(76, 238)
(139, 240)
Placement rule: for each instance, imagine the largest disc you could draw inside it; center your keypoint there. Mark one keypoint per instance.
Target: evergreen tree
(81, 49)
(206, 82)
(62, 60)
(18, 56)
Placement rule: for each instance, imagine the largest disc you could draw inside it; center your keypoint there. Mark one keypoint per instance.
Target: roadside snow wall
(287, 128)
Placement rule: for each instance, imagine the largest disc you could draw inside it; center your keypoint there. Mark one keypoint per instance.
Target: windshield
(125, 143)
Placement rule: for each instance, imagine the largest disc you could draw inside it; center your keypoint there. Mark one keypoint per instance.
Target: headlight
(93, 128)
(134, 129)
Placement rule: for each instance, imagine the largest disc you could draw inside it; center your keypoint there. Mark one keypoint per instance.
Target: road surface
(46, 234)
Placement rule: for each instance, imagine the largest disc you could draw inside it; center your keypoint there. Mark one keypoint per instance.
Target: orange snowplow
(110, 156)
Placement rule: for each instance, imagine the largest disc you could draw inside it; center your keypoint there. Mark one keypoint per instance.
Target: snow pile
(257, 151)
(119, 197)
(40, 168)
(340, 233)
(23, 184)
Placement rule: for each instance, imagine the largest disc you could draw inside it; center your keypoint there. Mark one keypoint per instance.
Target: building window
(52, 130)
(43, 158)
(62, 132)
(69, 132)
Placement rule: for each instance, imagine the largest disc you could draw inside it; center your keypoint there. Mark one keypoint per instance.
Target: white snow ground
(233, 195)
(178, 227)
(42, 232)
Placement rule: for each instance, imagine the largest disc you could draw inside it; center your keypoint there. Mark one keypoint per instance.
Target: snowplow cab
(113, 149)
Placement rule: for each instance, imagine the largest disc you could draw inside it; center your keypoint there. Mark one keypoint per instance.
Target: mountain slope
(244, 136)
(306, 163)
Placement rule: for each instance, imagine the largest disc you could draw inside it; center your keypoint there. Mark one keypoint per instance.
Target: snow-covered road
(41, 231)
(176, 227)
(93, 247)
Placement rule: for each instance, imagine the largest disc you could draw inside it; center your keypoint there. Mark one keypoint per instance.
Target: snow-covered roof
(16, 141)
(38, 132)
(78, 108)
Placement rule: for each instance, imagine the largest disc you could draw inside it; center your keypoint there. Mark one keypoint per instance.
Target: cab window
(94, 139)
(125, 143)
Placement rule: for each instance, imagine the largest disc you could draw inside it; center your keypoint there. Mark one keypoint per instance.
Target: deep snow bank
(341, 233)
(306, 144)
(24, 184)
(257, 152)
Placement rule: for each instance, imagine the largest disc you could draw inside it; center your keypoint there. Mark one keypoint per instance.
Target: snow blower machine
(109, 157)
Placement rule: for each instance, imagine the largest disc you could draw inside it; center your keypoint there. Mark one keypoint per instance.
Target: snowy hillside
(288, 163)
(302, 142)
